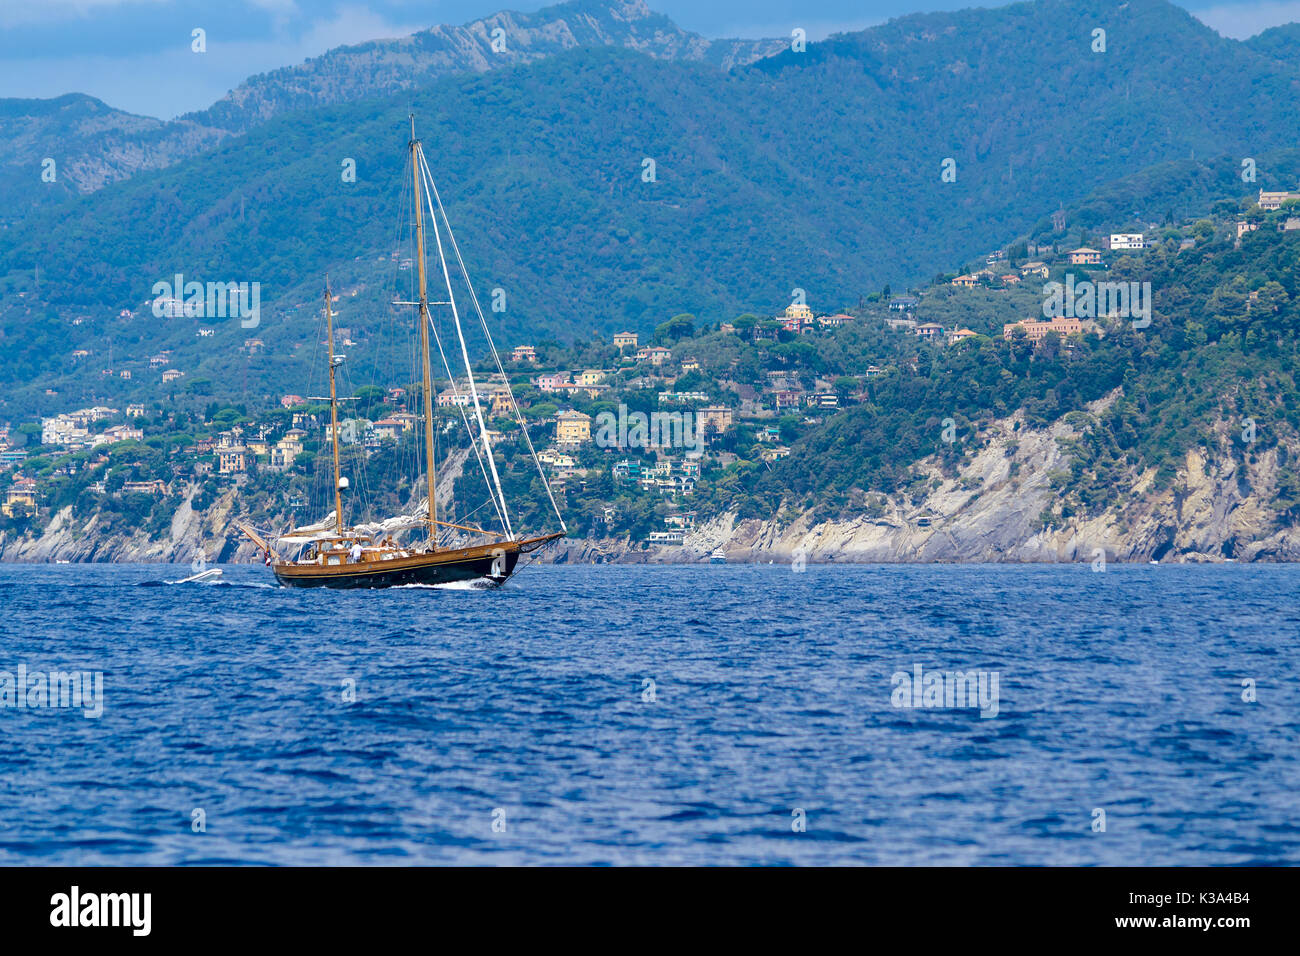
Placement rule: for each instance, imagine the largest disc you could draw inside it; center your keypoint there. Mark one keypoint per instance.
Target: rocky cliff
(989, 511)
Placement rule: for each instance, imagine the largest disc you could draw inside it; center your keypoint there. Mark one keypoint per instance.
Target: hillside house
(1035, 331)
(667, 538)
(682, 519)
(448, 398)
(1272, 201)
(232, 460)
(287, 449)
(797, 318)
(389, 428)
(715, 417)
(551, 382)
(572, 428)
(787, 398)
(20, 497)
(156, 488)
(1125, 240)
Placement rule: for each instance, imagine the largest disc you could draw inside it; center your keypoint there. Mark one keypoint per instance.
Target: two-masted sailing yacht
(332, 554)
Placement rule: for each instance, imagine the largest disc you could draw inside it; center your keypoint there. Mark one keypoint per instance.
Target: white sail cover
(327, 527)
(389, 525)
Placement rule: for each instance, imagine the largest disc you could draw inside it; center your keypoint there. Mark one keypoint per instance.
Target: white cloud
(1242, 20)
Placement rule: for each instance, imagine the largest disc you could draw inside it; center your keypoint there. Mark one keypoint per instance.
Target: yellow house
(572, 428)
(591, 376)
(719, 417)
(623, 340)
(287, 449)
(501, 401)
(22, 494)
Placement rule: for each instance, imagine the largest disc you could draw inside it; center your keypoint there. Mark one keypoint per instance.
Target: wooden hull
(485, 565)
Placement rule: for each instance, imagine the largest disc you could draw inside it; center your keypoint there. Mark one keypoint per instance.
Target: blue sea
(659, 715)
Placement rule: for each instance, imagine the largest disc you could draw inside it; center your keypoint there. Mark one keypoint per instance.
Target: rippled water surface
(528, 707)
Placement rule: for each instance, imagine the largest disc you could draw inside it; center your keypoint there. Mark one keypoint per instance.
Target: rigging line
(315, 492)
(465, 418)
(464, 350)
(487, 448)
(451, 381)
(523, 426)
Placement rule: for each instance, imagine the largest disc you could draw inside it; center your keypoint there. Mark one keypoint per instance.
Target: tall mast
(424, 341)
(334, 407)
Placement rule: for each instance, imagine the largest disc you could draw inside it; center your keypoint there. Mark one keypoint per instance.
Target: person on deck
(355, 553)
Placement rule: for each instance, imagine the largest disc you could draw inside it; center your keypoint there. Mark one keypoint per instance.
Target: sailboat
(332, 554)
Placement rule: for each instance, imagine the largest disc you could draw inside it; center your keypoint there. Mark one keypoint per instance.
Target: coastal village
(147, 457)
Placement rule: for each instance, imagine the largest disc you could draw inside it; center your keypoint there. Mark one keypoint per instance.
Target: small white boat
(211, 574)
(718, 557)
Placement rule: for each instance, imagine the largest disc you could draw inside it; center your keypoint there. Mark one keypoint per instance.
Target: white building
(1127, 240)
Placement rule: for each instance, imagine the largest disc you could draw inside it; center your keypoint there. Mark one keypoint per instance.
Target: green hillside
(817, 170)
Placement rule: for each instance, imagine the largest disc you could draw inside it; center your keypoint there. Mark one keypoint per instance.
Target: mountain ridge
(544, 166)
(120, 144)
(340, 74)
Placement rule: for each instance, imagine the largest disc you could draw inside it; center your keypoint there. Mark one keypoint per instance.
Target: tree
(678, 327)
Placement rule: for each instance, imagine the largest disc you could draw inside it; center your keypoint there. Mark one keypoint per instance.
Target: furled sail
(326, 528)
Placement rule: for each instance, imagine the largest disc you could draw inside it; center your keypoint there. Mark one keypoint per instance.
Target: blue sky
(135, 54)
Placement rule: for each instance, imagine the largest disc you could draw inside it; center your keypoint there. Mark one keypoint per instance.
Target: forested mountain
(1281, 42)
(93, 144)
(51, 150)
(507, 38)
(819, 170)
(854, 437)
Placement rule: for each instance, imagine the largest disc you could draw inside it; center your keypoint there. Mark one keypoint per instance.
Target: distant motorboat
(718, 557)
(210, 574)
